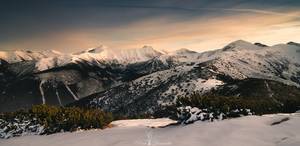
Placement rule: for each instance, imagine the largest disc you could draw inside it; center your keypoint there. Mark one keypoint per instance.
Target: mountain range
(142, 81)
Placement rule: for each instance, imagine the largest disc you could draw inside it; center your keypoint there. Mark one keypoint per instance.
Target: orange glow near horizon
(198, 34)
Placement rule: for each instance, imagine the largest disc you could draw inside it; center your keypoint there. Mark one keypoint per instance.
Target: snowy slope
(51, 59)
(245, 131)
(99, 55)
(124, 56)
(145, 74)
(52, 62)
(239, 59)
(242, 60)
(22, 55)
(201, 73)
(61, 85)
(181, 56)
(148, 93)
(43, 60)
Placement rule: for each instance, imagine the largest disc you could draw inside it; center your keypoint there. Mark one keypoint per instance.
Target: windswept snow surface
(144, 122)
(245, 131)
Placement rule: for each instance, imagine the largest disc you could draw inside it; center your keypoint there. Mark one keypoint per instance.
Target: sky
(200, 25)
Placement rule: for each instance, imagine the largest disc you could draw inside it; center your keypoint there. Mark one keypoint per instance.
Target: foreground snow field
(268, 130)
(153, 123)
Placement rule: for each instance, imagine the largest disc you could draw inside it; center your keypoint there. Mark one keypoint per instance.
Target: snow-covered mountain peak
(260, 44)
(182, 51)
(24, 55)
(124, 56)
(180, 56)
(147, 47)
(157, 81)
(56, 52)
(98, 49)
(294, 44)
(3, 55)
(240, 45)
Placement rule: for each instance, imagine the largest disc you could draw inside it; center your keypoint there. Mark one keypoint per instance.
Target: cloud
(293, 15)
(203, 34)
(193, 9)
(199, 25)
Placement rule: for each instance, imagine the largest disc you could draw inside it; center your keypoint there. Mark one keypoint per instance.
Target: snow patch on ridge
(207, 84)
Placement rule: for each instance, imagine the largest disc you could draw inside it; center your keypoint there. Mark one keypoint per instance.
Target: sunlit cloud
(200, 34)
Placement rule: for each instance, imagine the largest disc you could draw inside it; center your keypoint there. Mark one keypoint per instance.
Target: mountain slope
(22, 55)
(205, 73)
(142, 80)
(22, 86)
